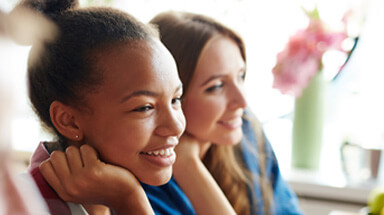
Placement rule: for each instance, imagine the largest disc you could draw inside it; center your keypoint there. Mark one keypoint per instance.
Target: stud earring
(77, 136)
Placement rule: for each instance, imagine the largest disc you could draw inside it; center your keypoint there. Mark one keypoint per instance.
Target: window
(265, 27)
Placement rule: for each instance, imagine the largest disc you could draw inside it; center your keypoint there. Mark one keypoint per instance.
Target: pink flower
(301, 59)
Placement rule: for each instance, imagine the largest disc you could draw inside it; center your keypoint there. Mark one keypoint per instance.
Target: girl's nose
(172, 123)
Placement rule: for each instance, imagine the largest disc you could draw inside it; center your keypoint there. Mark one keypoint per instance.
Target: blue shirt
(170, 199)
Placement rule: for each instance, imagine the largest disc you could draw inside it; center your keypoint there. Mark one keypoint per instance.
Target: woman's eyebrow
(180, 87)
(212, 78)
(140, 93)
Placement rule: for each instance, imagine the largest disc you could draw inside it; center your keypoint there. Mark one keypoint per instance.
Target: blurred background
(353, 106)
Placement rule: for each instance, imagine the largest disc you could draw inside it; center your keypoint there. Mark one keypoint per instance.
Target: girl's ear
(62, 117)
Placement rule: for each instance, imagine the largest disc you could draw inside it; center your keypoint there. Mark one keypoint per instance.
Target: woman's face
(215, 102)
(135, 117)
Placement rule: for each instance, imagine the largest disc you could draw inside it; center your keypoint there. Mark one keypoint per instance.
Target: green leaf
(314, 14)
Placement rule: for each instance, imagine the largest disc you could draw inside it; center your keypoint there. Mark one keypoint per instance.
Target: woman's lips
(232, 123)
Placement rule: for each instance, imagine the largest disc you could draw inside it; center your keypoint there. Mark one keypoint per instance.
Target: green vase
(308, 121)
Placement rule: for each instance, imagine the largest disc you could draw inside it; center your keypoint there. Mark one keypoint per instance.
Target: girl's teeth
(162, 152)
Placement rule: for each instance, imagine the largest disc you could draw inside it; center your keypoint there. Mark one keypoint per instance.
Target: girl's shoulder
(31, 193)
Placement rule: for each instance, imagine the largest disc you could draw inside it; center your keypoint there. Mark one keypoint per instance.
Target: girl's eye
(176, 101)
(214, 88)
(143, 108)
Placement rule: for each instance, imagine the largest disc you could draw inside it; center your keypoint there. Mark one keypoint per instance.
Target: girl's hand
(77, 175)
(191, 148)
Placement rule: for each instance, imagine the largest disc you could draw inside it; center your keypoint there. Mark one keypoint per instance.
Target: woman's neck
(204, 147)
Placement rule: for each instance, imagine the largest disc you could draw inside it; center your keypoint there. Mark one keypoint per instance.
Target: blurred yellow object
(376, 201)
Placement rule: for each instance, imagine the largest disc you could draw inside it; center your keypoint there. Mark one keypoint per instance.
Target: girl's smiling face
(214, 102)
(135, 117)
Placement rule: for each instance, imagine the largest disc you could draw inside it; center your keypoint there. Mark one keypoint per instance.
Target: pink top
(56, 205)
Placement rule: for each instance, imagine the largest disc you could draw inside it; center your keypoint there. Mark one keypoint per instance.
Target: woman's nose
(237, 98)
(172, 123)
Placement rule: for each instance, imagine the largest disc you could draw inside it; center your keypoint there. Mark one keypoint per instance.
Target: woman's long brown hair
(185, 35)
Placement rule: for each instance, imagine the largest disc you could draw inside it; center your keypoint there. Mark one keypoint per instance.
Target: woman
(211, 63)
(109, 91)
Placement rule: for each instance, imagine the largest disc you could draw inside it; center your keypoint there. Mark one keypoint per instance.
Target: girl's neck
(97, 209)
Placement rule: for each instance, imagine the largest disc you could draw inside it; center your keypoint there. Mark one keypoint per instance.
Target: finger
(88, 154)
(74, 159)
(60, 164)
(51, 177)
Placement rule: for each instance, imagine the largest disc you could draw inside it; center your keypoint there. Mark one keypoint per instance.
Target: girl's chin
(156, 179)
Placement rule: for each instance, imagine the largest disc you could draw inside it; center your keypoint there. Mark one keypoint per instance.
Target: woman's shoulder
(250, 120)
(252, 129)
(254, 140)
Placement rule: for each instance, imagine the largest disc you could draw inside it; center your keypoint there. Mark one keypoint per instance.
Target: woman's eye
(143, 108)
(176, 101)
(242, 76)
(215, 87)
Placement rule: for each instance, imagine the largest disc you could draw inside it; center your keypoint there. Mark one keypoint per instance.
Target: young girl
(109, 90)
(226, 139)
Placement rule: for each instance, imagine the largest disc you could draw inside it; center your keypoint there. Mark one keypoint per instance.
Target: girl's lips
(232, 124)
(163, 157)
(161, 152)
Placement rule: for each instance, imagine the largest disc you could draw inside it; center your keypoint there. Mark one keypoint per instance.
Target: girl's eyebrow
(146, 93)
(140, 93)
